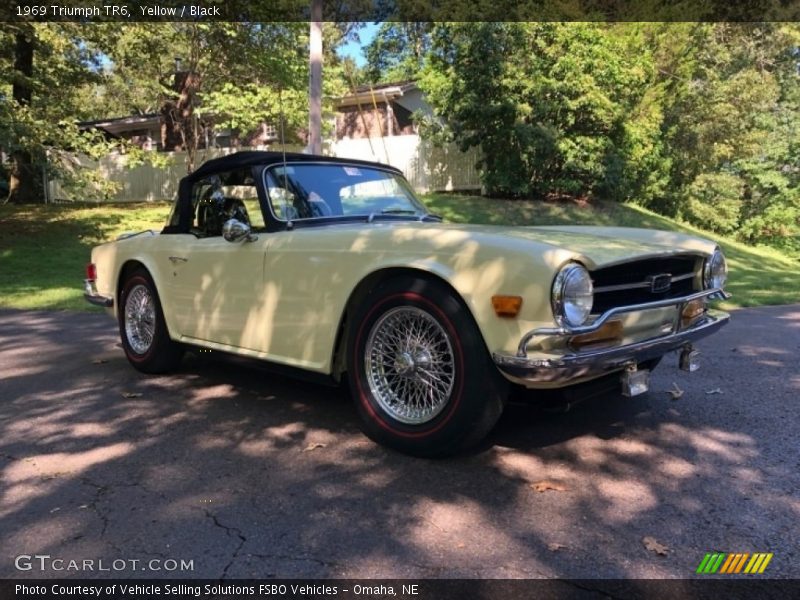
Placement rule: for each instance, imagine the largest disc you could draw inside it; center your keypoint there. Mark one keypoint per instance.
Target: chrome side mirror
(235, 231)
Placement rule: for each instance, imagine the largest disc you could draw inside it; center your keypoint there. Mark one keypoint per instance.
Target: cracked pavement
(251, 474)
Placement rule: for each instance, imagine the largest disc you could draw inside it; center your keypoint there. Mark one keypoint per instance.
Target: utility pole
(315, 80)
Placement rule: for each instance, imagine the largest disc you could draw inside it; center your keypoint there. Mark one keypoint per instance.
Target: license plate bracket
(635, 381)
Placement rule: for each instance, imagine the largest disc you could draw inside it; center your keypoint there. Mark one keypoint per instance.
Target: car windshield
(308, 191)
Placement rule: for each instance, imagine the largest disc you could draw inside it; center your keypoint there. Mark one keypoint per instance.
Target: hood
(593, 246)
(606, 246)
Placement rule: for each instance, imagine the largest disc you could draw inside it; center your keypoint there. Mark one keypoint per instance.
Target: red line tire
(142, 328)
(421, 377)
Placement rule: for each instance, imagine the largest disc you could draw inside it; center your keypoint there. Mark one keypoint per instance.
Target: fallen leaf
(652, 545)
(714, 391)
(313, 446)
(555, 547)
(676, 392)
(544, 485)
(99, 361)
(131, 395)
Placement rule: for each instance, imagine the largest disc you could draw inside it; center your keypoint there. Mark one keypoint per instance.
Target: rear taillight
(91, 271)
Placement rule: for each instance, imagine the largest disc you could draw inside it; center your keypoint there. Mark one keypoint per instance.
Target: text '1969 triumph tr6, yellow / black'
(335, 268)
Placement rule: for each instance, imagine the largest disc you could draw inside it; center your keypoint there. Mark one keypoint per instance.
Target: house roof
(118, 125)
(381, 92)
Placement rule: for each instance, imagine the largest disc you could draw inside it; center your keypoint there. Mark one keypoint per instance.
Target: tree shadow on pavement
(248, 473)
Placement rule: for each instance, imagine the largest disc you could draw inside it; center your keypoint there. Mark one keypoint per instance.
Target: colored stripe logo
(733, 563)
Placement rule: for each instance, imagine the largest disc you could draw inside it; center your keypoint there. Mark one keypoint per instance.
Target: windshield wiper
(425, 216)
(398, 211)
(390, 211)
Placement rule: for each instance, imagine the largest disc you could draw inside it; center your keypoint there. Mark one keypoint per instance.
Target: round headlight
(572, 295)
(715, 272)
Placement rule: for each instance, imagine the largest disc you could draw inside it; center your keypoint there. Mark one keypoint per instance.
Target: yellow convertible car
(333, 267)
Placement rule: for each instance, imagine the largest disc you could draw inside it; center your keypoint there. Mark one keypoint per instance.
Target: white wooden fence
(426, 167)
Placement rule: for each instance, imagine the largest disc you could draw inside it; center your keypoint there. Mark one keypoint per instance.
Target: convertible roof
(250, 158)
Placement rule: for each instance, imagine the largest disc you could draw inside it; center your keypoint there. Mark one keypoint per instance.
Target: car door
(215, 284)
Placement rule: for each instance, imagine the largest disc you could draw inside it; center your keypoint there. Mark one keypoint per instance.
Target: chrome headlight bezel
(572, 295)
(715, 271)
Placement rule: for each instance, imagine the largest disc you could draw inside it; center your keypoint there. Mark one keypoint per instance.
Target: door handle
(177, 259)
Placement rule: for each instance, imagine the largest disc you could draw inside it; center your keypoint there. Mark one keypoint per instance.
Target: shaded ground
(213, 465)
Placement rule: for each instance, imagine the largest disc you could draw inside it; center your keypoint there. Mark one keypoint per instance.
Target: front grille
(630, 283)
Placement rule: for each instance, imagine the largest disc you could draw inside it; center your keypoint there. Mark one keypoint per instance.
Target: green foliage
(696, 120)
(715, 200)
(274, 82)
(246, 73)
(545, 101)
(64, 87)
(397, 51)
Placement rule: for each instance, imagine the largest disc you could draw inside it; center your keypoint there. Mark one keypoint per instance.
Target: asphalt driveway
(246, 473)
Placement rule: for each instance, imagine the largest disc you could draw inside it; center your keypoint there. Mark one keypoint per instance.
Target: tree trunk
(24, 185)
(315, 80)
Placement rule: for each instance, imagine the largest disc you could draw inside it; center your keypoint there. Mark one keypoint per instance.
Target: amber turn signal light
(608, 334)
(507, 306)
(691, 311)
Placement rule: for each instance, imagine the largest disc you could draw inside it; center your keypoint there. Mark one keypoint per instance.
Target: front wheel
(142, 327)
(419, 371)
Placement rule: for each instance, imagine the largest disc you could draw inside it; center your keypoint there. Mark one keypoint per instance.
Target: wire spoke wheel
(409, 365)
(140, 319)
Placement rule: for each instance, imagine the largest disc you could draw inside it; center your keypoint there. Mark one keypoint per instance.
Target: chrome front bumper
(92, 297)
(563, 369)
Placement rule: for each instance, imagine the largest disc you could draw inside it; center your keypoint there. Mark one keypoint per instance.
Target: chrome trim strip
(92, 297)
(563, 369)
(641, 284)
(522, 348)
(129, 234)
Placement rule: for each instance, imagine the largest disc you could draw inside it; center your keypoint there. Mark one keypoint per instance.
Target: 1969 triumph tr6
(334, 267)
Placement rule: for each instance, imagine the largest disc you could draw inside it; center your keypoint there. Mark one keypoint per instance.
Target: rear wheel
(142, 328)
(421, 378)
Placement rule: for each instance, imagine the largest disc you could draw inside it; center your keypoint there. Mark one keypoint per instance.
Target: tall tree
(545, 102)
(232, 75)
(36, 60)
(23, 186)
(698, 120)
(397, 51)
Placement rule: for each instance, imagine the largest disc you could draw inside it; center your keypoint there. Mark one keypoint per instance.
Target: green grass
(44, 249)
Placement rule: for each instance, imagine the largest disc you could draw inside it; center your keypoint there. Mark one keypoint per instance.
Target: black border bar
(123, 11)
(399, 589)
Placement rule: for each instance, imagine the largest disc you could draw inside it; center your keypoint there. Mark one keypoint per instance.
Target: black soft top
(251, 158)
(181, 217)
